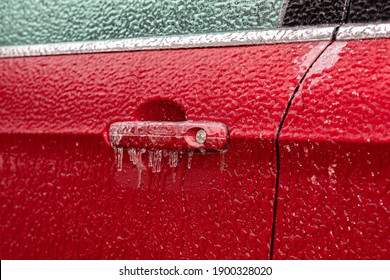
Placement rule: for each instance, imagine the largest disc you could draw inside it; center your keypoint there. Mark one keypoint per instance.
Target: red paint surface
(62, 196)
(334, 192)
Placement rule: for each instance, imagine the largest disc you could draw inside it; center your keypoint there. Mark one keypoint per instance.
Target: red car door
(333, 198)
(60, 178)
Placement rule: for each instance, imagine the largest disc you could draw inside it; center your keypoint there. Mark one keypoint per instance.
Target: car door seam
(273, 229)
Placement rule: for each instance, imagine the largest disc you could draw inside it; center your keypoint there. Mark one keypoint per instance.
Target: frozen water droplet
(331, 170)
(313, 180)
(190, 155)
(202, 151)
(332, 175)
(306, 151)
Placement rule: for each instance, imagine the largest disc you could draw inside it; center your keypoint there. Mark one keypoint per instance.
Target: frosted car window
(35, 22)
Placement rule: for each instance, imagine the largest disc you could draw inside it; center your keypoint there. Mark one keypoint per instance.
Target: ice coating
(41, 22)
(115, 139)
(223, 39)
(330, 58)
(169, 135)
(165, 142)
(232, 210)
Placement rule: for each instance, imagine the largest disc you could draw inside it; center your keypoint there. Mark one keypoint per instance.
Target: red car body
(305, 175)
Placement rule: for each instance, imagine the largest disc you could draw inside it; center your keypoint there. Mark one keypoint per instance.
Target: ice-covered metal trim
(367, 31)
(225, 39)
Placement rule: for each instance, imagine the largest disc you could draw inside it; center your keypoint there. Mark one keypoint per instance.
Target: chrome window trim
(363, 31)
(225, 39)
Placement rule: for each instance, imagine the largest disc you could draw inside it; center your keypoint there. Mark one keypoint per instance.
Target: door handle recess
(187, 135)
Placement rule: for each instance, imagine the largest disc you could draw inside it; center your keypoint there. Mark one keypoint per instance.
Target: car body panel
(333, 197)
(63, 195)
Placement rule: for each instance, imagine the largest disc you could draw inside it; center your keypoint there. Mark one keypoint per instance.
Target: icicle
(140, 165)
(157, 161)
(150, 158)
(133, 155)
(190, 155)
(155, 157)
(176, 158)
(173, 158)
(120, 158)
(169, 158)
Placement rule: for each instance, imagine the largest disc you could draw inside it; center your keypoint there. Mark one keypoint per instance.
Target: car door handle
(186, 135)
